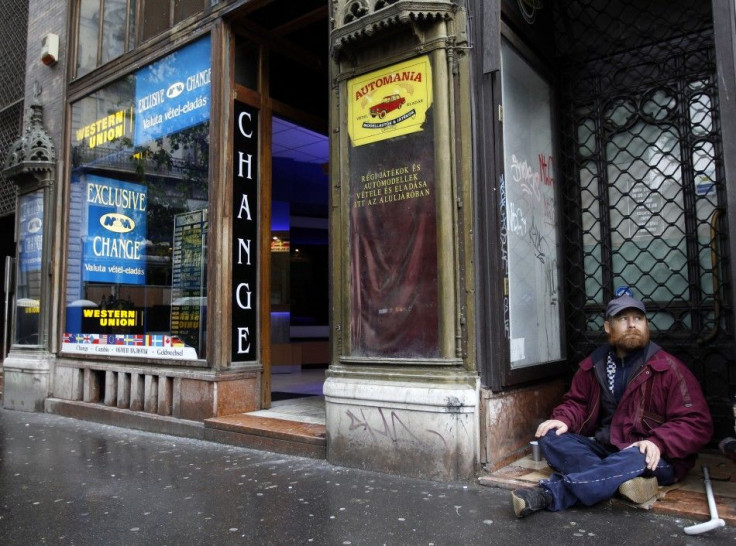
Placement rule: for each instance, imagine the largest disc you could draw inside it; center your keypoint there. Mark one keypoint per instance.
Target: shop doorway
(645, 184)
(280, 68)
(299, 261)
(638, 158)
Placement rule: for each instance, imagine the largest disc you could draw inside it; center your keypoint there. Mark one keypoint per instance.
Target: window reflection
(87, 35)
(138, 216)
(114, 29)
(102, 38)
(28, 286)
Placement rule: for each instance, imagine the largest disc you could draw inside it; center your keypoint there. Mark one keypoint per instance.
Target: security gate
(644, 180)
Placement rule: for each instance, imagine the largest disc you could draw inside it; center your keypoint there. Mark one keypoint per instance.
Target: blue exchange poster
(114, 249)
(30, 221)
(174, 93)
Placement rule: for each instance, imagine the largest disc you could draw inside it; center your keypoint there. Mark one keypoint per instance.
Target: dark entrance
(640, 162)
(644, 179)
(280, 68)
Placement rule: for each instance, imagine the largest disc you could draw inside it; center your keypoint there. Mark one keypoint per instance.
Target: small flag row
(148, 340)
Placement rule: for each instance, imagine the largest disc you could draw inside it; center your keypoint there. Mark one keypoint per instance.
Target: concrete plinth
(510, 418)
(27, 376)
(190, 394)
(425, 428)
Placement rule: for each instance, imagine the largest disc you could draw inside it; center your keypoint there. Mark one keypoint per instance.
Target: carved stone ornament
(34, 151)
(357, 20)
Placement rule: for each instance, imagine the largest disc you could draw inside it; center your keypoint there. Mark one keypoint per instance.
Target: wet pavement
(65, 481)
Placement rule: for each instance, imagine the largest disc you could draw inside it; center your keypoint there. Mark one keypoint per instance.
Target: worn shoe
(639, 490)
(728, 448)
(529, 500)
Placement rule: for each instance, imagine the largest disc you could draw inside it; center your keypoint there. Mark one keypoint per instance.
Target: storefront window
(138, 213)
(30, 251)
(530, 215)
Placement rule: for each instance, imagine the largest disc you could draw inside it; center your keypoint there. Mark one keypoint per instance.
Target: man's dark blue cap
(616, 305)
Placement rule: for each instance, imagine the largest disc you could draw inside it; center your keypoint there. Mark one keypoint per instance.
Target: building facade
(434, 199)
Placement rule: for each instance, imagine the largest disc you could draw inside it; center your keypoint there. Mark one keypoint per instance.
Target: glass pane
(533, 242)
(28, 279)
(658, 105)
(156, 15)
(131, 25)
(592, 248)
(701, 119)
(299, 249)
(619, 113)
(394, 264)
(647, 212)
(185, 8)
(138, 213)
(706, 212)
(87, 37)
(586, 138)
(114, 29)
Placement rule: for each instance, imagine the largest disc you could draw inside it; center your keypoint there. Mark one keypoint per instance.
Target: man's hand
(650, 450)
(548, 425)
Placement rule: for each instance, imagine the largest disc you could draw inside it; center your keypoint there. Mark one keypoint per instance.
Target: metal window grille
(13, 36)
(644, 184)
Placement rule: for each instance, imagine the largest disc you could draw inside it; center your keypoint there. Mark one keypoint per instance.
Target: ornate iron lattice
(643, 178)
(13, 36)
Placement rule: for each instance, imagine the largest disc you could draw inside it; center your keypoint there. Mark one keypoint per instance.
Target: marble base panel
(412, 429)
(509, 420)
(26, 380)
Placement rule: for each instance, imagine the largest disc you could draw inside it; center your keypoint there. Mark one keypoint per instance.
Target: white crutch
(714, 522)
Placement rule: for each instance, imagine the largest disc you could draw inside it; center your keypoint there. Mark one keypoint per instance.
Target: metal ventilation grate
(643, 177)
(13, 36)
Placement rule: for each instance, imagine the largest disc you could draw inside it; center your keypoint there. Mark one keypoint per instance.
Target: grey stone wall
(46, 17)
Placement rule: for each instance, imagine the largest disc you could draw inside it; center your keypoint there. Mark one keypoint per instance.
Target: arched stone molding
(33, 154)
(355, 21)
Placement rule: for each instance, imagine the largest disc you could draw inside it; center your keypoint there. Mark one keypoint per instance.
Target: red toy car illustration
(389, 103)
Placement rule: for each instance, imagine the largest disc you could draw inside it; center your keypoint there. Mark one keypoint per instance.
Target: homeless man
(634, 418)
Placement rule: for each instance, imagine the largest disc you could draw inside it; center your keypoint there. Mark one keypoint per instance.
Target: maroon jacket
(662, 403)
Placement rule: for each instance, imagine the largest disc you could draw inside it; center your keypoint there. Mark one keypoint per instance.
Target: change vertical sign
(245, 234)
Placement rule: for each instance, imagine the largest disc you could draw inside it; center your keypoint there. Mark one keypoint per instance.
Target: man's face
(628, 331)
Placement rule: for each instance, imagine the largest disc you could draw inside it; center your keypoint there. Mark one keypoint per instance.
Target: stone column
(30, 165)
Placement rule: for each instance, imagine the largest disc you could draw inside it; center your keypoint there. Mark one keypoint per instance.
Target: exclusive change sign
(114, 249)
(174, 93)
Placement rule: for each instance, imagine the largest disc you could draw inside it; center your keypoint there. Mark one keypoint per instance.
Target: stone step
(270, 434)
(255, 432)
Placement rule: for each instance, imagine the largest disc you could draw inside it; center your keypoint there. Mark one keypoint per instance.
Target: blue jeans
(587, 472)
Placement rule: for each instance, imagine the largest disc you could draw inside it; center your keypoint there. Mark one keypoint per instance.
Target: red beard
(629, 341)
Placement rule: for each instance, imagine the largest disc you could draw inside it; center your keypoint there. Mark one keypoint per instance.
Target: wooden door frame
(267, 107)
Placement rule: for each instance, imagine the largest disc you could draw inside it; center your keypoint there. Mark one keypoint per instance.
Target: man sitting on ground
(634, 417)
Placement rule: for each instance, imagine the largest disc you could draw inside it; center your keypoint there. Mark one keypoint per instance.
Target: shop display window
(532, 231)
(394, 263)
(30, 251)
(136, 283)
